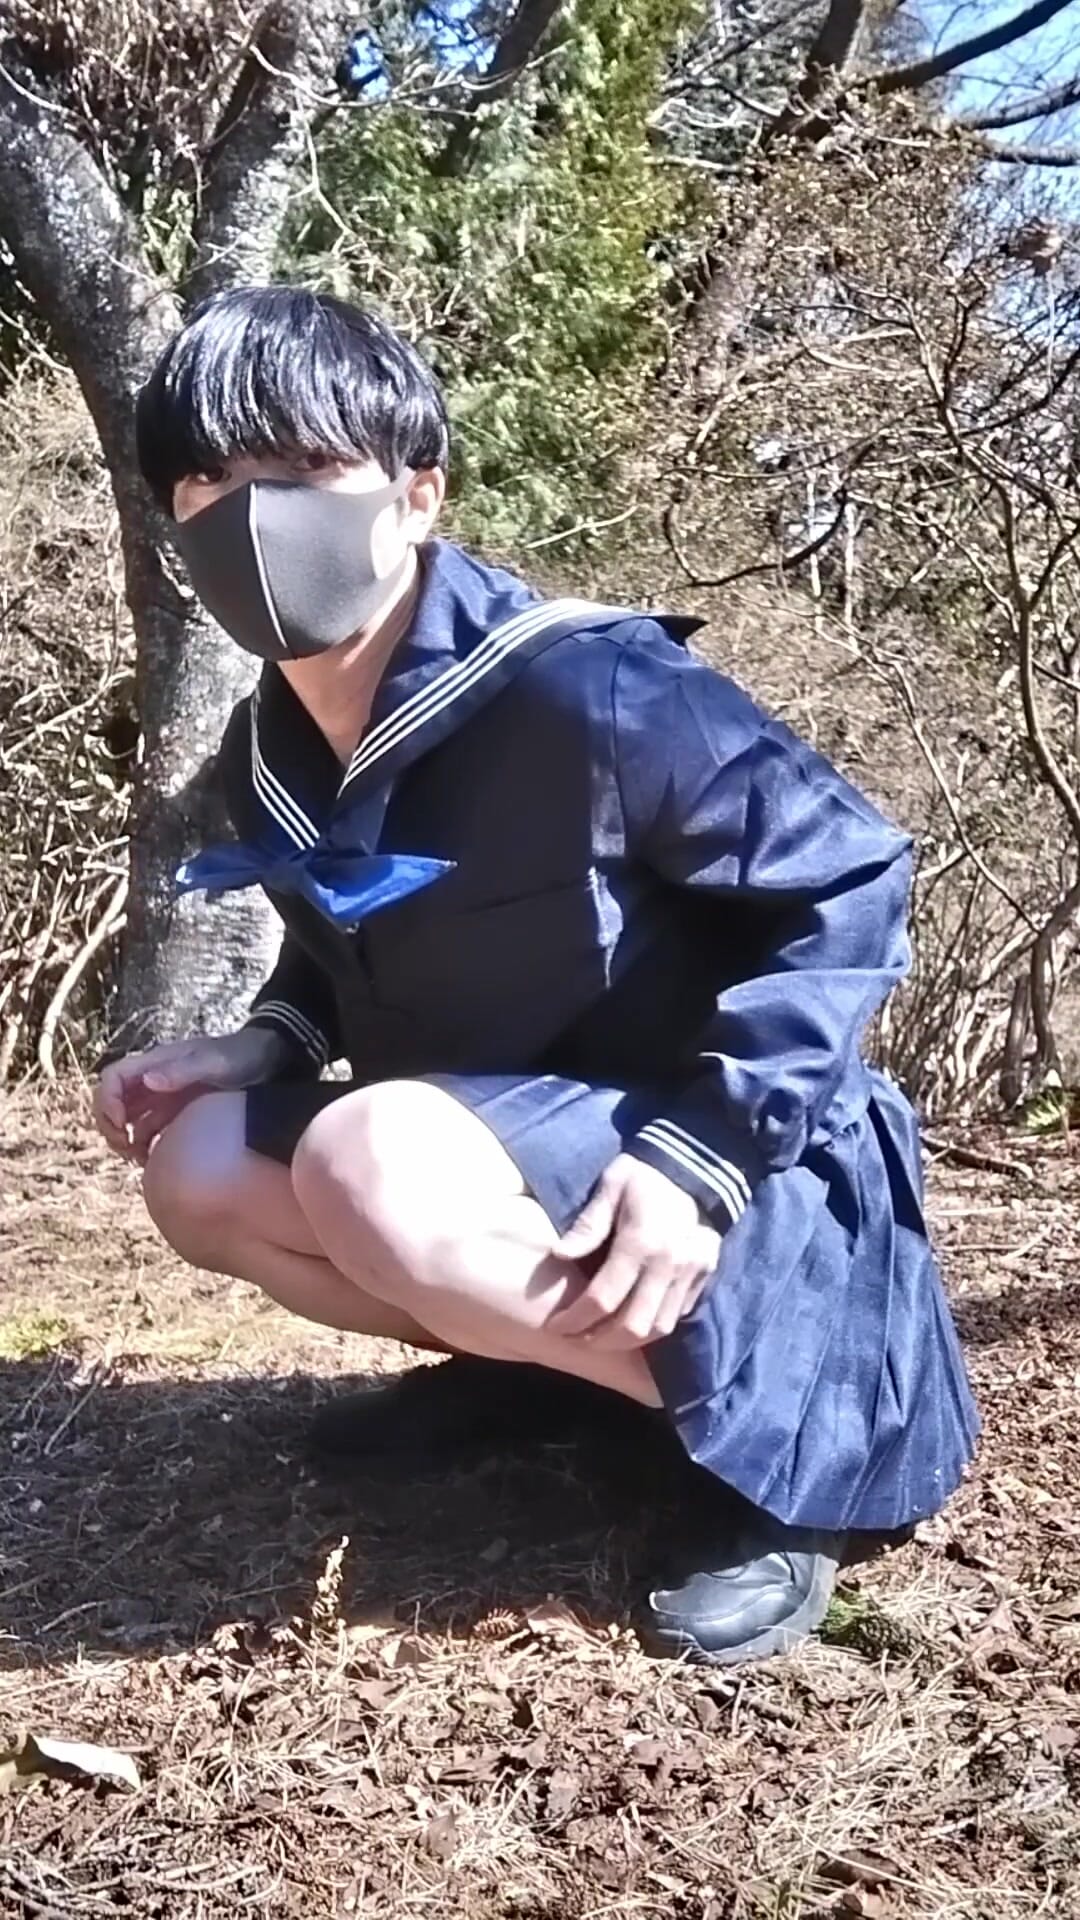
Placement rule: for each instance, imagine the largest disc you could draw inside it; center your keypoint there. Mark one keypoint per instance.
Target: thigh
(400, 1140)
(202, 1168)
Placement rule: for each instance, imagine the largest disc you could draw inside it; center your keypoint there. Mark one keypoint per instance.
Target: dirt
(399, 1691)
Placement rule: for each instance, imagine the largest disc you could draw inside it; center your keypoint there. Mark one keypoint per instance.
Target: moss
(32, 1335)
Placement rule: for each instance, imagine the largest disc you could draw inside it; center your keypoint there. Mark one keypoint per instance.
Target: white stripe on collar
(277, 799)
(430, 700)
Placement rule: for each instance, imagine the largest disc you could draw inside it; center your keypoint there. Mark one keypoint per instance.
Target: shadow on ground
(137, 1516)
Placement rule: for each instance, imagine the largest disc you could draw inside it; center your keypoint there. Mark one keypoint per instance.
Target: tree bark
(283, 90)
(187, 965)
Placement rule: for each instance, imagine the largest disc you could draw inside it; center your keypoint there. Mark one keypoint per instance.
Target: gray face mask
(287, 569)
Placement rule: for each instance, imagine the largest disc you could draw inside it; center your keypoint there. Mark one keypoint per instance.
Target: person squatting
(598, 940)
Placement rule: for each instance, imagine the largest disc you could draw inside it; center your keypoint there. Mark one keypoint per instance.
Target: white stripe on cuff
(297, 1024)
(720, 1184)
(735, 1173)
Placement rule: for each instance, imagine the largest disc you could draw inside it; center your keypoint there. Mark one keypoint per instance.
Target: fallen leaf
(440, 1836)
(495, 1553)
(407, 1650)
(998, 1637)
(563, 1790)
(707, 1711)
(1067, 1609)
(354, 1803)
(668, 1882)
(375, 1627)
(464, 1769)
(371, 1693)
(863, 1902)
(646, 1752)
(524, 1714)
(859, 1867)
(77, 1761)
(554, 1618)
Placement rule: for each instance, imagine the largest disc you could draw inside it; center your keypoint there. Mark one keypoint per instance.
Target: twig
(97, 1379)
(974, 1157)
(111, 921)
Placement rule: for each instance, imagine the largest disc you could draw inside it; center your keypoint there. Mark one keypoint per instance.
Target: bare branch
(1053, 100)
(525, 34)
(1027, 156)
(263, 132)
(78, 252)
(919, 73)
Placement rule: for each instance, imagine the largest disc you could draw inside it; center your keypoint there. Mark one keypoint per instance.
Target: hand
(137, 1097)
(660, 1257)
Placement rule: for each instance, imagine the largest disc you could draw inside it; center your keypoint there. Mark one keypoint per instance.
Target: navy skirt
(820, 1373)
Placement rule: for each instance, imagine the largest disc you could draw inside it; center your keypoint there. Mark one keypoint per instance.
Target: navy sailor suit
(576, 877)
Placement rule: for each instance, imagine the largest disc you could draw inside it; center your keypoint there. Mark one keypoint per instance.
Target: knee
(354, 1160)
(191, 1181)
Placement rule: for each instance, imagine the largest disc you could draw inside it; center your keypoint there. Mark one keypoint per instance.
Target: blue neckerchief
(345, 887)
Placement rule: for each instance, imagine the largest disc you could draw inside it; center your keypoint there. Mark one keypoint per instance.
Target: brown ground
(425, 1732)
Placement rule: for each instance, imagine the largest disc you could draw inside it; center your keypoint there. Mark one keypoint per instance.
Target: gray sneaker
(764, 1590)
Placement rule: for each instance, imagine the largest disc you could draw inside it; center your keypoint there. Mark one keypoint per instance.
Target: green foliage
(32, 1335)
(1053, 1110)
(856, 1621)
(531, 273)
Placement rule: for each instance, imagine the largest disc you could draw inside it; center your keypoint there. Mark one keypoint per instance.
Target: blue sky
(1043, 59)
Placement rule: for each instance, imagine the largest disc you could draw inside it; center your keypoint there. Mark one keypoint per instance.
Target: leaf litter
(421, 1695)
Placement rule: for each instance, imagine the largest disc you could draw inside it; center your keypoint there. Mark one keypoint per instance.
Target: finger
(111, 1092)
(195, 1063)
(680, 1298)
(593, 1225)
(604, 1294)
(145, 1128)
(635, 1321)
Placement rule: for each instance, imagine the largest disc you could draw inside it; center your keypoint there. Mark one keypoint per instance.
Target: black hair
(265, 370)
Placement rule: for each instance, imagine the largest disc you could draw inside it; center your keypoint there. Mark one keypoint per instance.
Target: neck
(337, 687)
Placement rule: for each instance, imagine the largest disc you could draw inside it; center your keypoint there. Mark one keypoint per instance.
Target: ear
(427, 491)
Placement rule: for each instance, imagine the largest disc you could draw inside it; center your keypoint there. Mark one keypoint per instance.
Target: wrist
(263, 1049)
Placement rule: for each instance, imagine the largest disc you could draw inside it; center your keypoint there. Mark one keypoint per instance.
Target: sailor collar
(474, 629)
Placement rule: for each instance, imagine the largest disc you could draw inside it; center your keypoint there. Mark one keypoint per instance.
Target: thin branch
(525, 34)
(919, 73)
(1037, 107)
(1028, 156)
(892, 670)
(782, 563)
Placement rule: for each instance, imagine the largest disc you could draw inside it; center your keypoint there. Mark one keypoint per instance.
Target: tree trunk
(189, 965)
(185, 965)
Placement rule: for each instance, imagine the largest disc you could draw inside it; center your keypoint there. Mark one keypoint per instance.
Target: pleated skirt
(820, 1375)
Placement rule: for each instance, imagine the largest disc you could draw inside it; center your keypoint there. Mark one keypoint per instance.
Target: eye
(314, 462)
(210, 477)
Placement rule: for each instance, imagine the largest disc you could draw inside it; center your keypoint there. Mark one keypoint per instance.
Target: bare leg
(418, 1203)
(232, 1211)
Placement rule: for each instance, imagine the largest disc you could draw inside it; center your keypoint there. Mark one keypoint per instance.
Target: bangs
(278, 370)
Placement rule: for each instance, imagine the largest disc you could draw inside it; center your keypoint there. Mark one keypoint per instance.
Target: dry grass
(407, 1723)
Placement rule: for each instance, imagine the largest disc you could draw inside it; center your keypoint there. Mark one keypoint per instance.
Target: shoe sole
(676, 1643)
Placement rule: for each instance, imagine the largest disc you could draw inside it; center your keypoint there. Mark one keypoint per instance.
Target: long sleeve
(809, 884)
(298, 1003)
